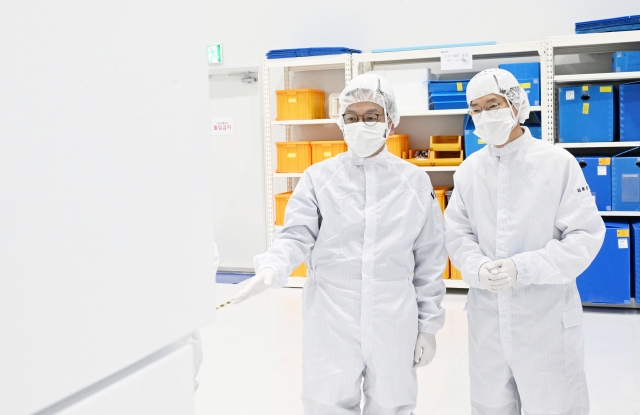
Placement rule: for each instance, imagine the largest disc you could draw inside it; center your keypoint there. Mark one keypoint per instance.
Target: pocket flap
(572, 318)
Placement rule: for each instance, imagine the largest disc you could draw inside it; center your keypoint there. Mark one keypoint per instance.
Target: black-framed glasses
(492, 108)
(368, 118)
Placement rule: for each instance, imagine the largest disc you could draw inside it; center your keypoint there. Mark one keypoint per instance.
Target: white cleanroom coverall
(527, 201)
(372, 235)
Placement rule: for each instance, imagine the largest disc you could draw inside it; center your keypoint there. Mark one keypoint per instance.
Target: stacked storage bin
(630, 111)
(586, 113)
(448, 95)
(444, 150)
(635, 262)
(628, 61)
(282, 199)
(608, 279)
(528, 75)
(597, 172)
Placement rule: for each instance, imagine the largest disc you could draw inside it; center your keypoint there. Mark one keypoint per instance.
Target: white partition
(107, 252)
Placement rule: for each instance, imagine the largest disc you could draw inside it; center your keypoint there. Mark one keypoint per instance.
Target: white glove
(425, 349)
(498, 275)
(257, 284)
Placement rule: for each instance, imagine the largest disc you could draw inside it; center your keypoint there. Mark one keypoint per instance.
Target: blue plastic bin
(448, 86)
(626, 61)
(630, 112)
(523, 70)
(448, 96)
(528, 74)
(534, 125)
(450, 105)
(472, 142)
(586, 113)
(635, 261)
(532, 87)
(597, 172)
(625, 183)
(608, 278)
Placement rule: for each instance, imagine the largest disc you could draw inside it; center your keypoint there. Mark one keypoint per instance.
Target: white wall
(106, 228)
(249, 31)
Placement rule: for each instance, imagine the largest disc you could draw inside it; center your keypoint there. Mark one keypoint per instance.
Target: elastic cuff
(524, 275)
(428, 328)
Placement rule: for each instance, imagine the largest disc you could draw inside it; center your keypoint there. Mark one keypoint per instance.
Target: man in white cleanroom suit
(372, 234)
(521, 226)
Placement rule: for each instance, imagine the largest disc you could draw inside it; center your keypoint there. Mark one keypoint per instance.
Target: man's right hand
(491, 279)
(257, 284)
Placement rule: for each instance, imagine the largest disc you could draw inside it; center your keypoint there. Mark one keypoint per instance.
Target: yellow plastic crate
(446, 143)
(455, 274)
(281, 205)
(445, 158)
(398, 145)
(418, 162)
(293, 156)
(300, 104)
(447, 272)
(322, 150)
(301, 271)
(440, 192)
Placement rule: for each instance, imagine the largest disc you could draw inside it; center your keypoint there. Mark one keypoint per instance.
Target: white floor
(252, 362)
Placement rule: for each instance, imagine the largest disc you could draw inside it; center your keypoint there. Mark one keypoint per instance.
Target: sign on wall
(222, 126)
(456, 58)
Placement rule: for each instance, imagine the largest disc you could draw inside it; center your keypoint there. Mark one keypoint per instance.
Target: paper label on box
(292, 155)
(585, 108)
(222, 126)
(570, 95)
(606, 89)
(292, 100)
(526, 85)
(585, 88)
(623, 243)
(481, 142)
(602, 170)
(604, 161)
(459, 86)
(623, 233)
(456, 58)
(327, 154)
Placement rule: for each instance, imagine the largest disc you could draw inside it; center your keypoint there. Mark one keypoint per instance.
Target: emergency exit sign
(214, 53)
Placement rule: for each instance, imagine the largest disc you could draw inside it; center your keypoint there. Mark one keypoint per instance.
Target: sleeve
(430, 261)
(293, 243)
(461, 241)
(581, 232)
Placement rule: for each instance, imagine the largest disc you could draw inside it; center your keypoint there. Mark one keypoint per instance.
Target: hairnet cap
(370, 88)
(503, 83)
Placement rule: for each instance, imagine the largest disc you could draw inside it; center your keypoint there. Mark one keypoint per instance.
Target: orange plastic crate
(398, 145)
(281, 205)
(418, 162)
(322, 150)
(447, 272)
(440, 192)
(446, 143)
(301, 271)
(455, 274)
(445, 158)
(293, 156)
(300, 104)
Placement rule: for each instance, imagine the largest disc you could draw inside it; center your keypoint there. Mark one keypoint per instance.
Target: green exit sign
(214, 53)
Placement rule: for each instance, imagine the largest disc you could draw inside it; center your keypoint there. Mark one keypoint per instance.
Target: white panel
(163, 388)
(106, 237)
(240, 202)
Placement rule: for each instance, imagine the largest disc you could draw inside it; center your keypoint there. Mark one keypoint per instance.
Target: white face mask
(495, 127)
(365, 139)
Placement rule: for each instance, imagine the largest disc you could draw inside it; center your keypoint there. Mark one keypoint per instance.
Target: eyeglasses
(492, 108)
(368, 119)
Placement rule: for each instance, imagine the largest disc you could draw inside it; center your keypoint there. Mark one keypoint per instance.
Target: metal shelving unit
(589, 44)
(315, 63)
(546, 51)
